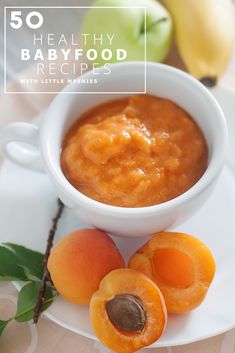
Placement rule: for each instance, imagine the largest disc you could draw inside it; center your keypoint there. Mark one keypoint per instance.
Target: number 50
(16, 20)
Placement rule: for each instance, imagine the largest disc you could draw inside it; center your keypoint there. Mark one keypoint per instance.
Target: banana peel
(205, 35)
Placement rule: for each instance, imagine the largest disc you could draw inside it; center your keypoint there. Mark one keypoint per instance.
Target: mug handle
(19, 143)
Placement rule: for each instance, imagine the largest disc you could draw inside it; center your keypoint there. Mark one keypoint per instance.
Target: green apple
(108, 25)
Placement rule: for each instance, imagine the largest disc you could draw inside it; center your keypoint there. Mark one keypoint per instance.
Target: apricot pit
(127, 312)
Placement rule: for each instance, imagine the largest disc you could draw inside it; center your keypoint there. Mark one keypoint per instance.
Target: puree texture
(134, 152)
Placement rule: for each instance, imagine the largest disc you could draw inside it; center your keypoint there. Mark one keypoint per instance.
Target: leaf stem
(6, 322)
(32, 307)
(46, 275)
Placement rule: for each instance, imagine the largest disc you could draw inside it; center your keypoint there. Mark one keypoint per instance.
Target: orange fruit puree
(134, 152)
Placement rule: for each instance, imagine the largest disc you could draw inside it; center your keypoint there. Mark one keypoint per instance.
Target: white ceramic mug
(163, 81)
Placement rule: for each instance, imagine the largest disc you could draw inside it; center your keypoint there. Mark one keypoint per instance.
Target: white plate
(28, 203)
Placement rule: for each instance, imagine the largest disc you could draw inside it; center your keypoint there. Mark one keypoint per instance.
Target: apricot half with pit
(80, 260)
(180, 264)
(128, 311)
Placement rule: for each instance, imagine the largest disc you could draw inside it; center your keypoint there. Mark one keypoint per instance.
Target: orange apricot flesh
(79, 261)
(174, 267)
(127, 283)
(180, 264)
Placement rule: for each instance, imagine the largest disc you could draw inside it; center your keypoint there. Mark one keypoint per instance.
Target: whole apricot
(181, 265)
(128, 311)
(80, 260)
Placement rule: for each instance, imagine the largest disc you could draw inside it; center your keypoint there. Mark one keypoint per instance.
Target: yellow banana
(205, 32)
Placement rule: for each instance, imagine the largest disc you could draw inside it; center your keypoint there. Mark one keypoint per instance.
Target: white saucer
(28, 203)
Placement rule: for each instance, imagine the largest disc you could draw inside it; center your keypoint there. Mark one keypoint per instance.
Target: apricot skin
(122, 282)
(180, 264)
(79, 261)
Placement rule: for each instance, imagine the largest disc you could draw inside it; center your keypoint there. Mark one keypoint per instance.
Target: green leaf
(3, 324)
(27, 299)
(31, 261)
(29, 275)
(9, 269)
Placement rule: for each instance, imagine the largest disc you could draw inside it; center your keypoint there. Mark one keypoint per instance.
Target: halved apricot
(128, 311)
(180, 264)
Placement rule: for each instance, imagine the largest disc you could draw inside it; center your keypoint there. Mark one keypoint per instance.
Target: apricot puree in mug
(134, 152)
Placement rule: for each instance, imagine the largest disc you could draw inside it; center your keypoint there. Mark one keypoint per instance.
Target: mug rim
(213, 168)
